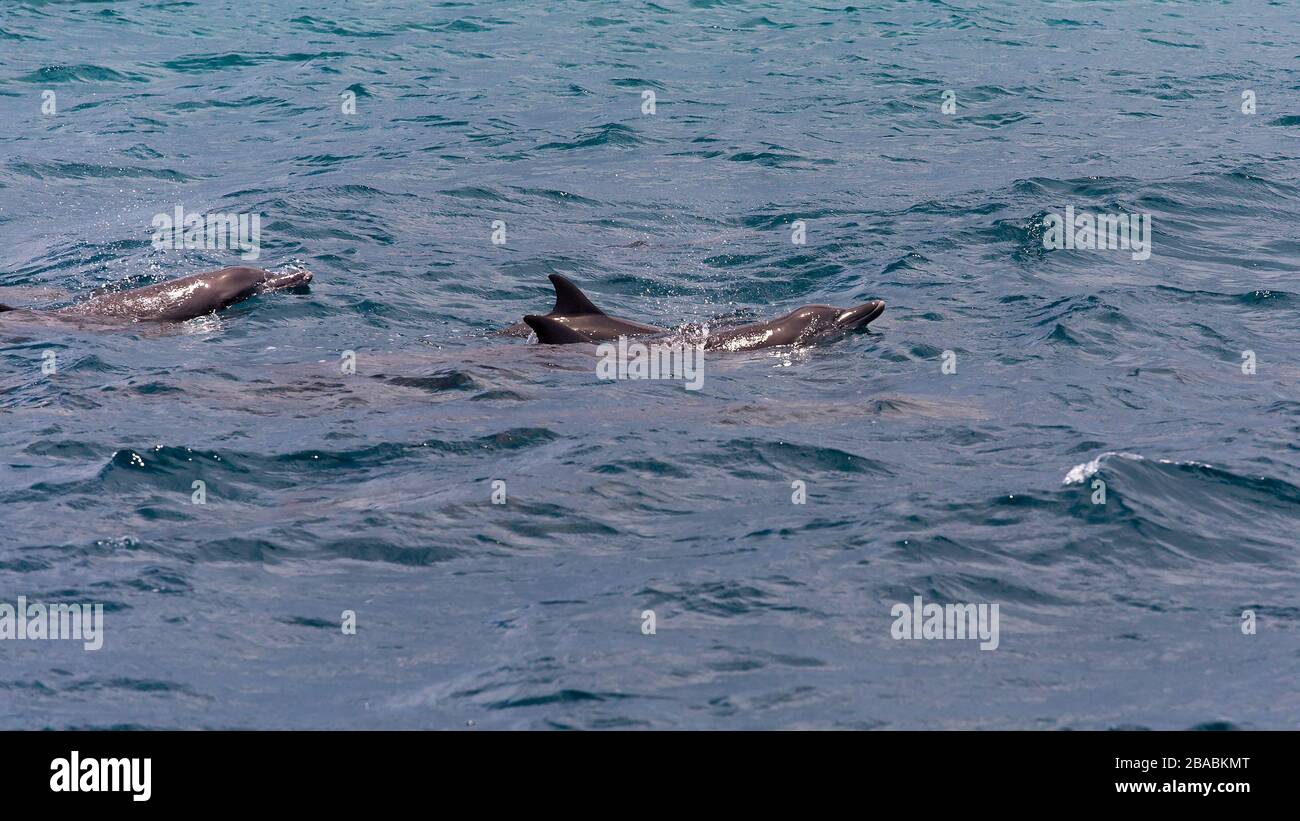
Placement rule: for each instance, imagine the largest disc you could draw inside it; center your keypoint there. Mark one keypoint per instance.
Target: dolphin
(799, 327)
(575, 320)
(177, 300)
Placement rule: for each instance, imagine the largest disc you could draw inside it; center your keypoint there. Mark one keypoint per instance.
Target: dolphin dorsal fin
(554, 332)
(569, 301)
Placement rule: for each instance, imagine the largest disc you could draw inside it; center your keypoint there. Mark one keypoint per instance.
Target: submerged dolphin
(177, 300)
(575, 319)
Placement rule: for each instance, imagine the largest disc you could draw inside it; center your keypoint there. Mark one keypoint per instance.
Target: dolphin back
(554, 332)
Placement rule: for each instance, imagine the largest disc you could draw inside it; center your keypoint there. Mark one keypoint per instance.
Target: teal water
(372, 492)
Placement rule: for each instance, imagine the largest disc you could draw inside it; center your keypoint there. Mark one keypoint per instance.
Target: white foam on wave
(208, 323)
(1082, 472)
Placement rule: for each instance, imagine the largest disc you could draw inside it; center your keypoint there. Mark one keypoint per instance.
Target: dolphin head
(817, 320)
(857, 318)
(294, 277)
(555, 331)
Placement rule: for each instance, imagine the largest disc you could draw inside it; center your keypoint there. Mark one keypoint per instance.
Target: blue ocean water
(371, 492)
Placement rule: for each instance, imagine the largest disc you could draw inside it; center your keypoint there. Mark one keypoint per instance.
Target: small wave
(612, 134)
(216, 62)
(1082, 472)
(81, 73)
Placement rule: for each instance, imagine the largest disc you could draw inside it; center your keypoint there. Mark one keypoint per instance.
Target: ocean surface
(372, 492)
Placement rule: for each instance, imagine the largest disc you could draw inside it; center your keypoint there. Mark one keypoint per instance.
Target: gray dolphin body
(575, 319)
(575, 316)
(179, 299)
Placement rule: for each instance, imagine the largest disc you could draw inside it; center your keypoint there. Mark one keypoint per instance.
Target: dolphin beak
(291, 278)
(858, 317)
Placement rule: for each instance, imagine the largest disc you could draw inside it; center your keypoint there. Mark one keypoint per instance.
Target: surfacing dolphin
(802, 326)
(177, 300)
(576, 319)
(574, 312)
